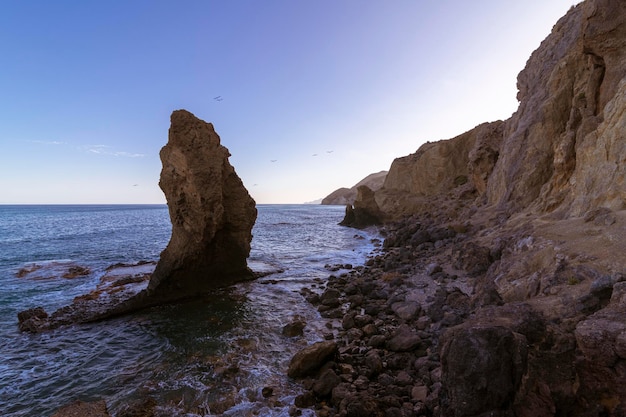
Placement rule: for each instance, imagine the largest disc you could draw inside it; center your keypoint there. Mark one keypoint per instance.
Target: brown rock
(365, 211)
(83, 409)
(310, 359)
(346, 196)
(404, 339)
(325, 383)
(295, 328)
(482, 368)
(212, 213)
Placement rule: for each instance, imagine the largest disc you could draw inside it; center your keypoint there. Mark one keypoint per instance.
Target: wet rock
(267, 392)
(32, 320)
(330, 298)
(84, 409)
(310, 359)
(304, 400)
(295, 328)
(364, 212)
(76, 271)
(142, 408)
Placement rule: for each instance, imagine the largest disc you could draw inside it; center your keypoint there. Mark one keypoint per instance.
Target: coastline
(422, 330)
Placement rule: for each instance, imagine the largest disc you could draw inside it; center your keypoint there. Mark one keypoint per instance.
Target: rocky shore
(421, 331)
(502, 287)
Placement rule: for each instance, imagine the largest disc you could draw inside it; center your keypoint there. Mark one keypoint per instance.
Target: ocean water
(212, 356)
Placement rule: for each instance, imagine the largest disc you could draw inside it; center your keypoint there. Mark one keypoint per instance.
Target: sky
(315, 94)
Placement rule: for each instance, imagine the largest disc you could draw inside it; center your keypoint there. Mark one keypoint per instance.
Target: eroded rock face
(561, 152)
(440, 168)
(211, 211)
(562, 149)
(365, 211)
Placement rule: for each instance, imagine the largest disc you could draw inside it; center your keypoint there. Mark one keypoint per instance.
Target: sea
(223, 354)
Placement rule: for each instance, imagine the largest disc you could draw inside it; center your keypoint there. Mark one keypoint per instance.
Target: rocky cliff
(561, 152)
(518, 227)
(344, 196)
(211, 211)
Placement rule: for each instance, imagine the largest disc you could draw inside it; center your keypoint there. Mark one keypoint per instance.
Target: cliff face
(527, 218)
(562, 152)
(563, 149)
(211, 211)
(440, 168)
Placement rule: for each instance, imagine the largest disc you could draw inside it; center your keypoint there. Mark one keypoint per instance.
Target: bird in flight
(314, 154)
(329, 151)
(273, 160)
(218, 98)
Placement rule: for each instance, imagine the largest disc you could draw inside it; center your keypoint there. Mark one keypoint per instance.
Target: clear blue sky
(87, 87)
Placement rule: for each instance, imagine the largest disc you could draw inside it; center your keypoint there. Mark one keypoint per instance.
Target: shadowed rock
(211, 211)
(212, 217)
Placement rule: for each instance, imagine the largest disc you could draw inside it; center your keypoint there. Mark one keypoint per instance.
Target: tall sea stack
(211, 211)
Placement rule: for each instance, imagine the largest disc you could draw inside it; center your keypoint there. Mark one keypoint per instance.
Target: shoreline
(434, 325)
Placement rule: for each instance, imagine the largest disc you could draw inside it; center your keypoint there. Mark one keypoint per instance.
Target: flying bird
(218, 98)
(314, 154)
(273, 160)
(329, 151)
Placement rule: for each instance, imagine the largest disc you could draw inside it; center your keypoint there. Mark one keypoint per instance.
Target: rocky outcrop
(365, 211)
(212, 217)
(211, 211)
(561, 152)
(345, 196)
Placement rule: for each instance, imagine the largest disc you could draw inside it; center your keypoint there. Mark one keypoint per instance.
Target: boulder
(84, 409)
(211, 211)
(482, 369)
(312, 358)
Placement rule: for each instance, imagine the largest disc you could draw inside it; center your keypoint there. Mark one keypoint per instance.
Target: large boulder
(211, 211)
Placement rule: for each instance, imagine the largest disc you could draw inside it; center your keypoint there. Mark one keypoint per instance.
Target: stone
(310, 359)
(211, 211)
(76, 271)
(406, 310)
(419, 393)
(295, 328)
(84, 409)
(404, 339)
(482, 368)
(325, 383)
(365, 211)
